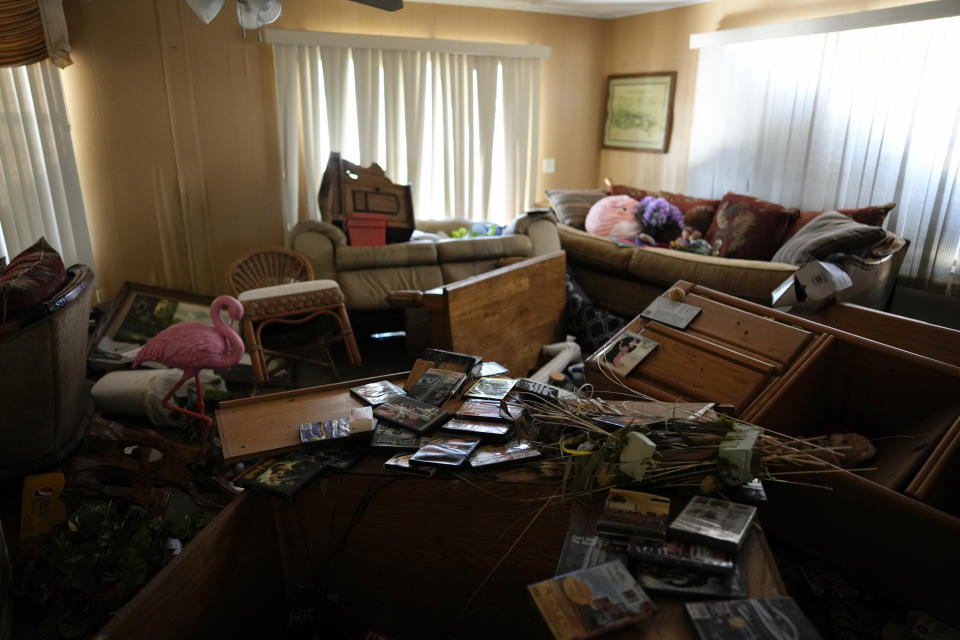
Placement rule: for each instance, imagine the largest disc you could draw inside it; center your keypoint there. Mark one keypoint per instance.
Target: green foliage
(95, 562)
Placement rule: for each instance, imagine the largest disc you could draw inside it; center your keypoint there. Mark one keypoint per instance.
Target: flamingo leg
(173, 407)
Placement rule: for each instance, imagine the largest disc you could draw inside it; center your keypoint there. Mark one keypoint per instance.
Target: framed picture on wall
(638, 113)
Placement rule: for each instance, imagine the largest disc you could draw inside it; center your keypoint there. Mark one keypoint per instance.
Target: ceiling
(585, 8)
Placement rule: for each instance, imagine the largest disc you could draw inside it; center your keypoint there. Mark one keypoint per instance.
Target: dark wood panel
(225, 583)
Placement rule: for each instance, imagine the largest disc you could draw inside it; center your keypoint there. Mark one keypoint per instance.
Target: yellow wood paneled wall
(174, 122)
(660, 42)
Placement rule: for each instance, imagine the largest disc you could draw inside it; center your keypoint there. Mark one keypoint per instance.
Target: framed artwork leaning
(138, 313)
(638, 112)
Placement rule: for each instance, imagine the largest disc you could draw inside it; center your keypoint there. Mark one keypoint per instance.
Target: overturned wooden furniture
(348, 188)
(505, 315)
(801, 378)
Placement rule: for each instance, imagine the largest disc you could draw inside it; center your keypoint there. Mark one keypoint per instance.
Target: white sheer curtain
(462, 129)
(39, 185)
(842, 119)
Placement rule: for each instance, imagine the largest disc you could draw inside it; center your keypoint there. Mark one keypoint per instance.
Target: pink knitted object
(613, 217)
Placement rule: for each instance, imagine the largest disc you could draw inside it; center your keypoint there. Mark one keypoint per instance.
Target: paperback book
(677, 580)
(590, 602)
(582, 551)
(634, 513)
(488, 410)
(400, 462)
(676, 553)
(486, 430)
(493, 454)
(376, 393)
(716, 523)
(282, 476)
(388, 436)
(412, 414)
(444, 450)
(751, 619)
(436, 386)
(490, 388)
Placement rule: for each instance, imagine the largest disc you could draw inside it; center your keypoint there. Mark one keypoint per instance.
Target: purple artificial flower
(656, 215)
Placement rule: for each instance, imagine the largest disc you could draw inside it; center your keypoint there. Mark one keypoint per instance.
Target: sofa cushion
(873, 215)
(367, 289)
(483, 248)
(749, 228)
(829, 233)
(572, 205)
(698, 213)
(633, 192)
(404, 254)
(31, 277)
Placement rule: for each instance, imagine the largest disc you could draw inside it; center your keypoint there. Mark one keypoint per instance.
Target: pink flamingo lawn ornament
(196, 345)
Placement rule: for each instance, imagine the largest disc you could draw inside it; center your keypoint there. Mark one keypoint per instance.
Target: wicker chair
(276, 286)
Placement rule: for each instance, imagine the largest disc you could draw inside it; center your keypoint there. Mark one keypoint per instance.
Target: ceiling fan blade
(386, 5)
(206, 10)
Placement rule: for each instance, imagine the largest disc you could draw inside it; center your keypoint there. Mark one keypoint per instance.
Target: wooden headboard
(348, 188)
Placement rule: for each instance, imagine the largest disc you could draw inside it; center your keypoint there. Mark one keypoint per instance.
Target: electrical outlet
(549, 165)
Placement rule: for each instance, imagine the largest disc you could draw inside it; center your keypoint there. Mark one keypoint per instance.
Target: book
(376, 393)
(750, 619)
(716, 523)
(445, 450)
(358, 423)
(283, 476)
(681, 581)
(436, 386)
(479, 428)
(412, 414)
(582, 551)
(634, 513)
(672, 313)
(488, 410)
(627, 352)
(494, 454)
(388, 436)
(400, 462)
(490, 388)
(680, 554)
(590, 602)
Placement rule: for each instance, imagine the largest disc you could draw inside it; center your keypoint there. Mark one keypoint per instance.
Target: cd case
(717, 523)
(448, 451)
(490, 388)
(376, 393)
(400, 462)
(488, 410)
(486, 430)
(494, 454)
(412, 414)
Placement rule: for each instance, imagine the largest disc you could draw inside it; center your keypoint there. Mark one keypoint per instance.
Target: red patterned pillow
(34, 275)
(698, 213)
(748, 227)
(874, 215)
(633, 192)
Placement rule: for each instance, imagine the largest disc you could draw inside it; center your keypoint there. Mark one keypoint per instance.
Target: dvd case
(713, 522)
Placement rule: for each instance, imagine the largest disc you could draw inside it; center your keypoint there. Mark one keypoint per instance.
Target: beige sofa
(625, 279)
(368, 274)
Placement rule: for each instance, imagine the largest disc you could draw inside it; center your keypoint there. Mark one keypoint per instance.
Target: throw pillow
(748, 227)
(633, 192)
(33, 276)
(572, 205)
(613, 216)
(697, 212)
(829, 233)
(873, 215)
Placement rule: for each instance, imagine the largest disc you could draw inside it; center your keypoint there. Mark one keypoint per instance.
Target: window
(842, 119)
(461, 128)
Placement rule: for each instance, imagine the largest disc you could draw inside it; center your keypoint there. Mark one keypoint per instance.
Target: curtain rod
(845, 22)
(363, 41)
